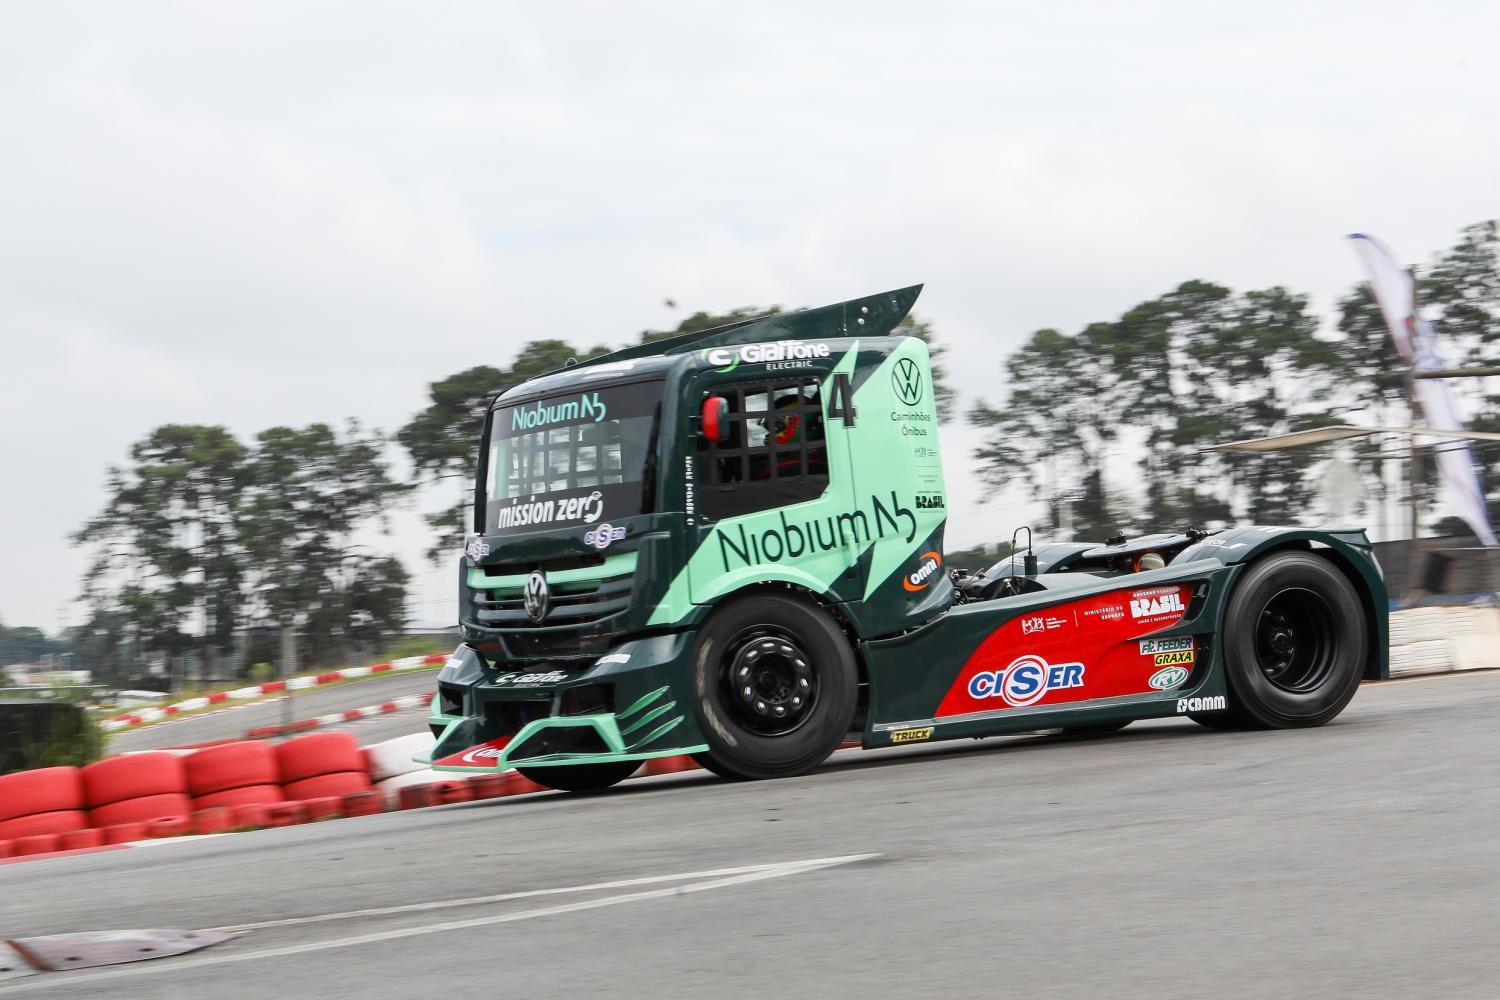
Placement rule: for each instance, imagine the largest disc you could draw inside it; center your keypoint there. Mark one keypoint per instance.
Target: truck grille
(572, 604)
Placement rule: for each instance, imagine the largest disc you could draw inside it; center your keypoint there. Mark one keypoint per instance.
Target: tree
(1053, 429)
(309, 492)
(165, 546)
(1197, 366)
(24, 644)
(443, 437)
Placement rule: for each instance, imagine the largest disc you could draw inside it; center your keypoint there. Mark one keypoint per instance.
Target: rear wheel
(1294, 644)
(774, 687)
(581, 777)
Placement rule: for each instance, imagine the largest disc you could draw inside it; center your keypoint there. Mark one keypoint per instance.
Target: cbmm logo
(906, 379)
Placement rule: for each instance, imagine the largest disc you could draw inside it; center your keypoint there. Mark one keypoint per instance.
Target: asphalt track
(232, 722)
(1165, 861)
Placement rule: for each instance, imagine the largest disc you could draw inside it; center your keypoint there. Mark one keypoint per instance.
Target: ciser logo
(602, 536)
(906, 379)
(1026, 681)
(931, 563)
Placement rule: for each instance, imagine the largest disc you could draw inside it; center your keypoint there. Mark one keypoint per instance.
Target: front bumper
(630, 704)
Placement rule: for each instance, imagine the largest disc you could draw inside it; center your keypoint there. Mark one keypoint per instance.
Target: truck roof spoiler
(871, 316)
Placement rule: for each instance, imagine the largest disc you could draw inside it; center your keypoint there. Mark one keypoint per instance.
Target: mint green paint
(606, 725)
(616, 565)
(642, 701)
(661, 731)
(877, 470)
(875, 475)
(644, 720)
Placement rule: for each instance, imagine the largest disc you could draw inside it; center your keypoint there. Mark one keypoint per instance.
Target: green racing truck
(729, 544)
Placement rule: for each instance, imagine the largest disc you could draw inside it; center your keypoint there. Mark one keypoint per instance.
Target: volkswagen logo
(906, 379)
(538, 596)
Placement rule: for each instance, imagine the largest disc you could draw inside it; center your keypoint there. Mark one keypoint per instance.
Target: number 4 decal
(841, 406)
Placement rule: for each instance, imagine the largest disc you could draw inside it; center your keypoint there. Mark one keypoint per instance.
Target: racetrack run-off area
(1165, 861)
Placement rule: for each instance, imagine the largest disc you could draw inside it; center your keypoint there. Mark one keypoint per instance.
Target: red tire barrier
(47, 789)
(80, 839)
(362, 803)
(340, 783)
(670, 765)
(488, 786)
(448, 792)
(263, 795)
(286, 814)
(417, 796)
(7, 848)
(172, 805)
(124, 833)
(41, 824)
(44, 843)
(134, 776)
(169, 826)
(320, 753)
(518, 784)
(232, 765)
(323, 807)
(215, 819)
(250, 816)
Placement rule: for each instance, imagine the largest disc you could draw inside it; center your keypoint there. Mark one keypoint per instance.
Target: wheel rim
(1294, 646)
(768, 681)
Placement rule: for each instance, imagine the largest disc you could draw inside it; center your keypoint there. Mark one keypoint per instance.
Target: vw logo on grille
(538, 596)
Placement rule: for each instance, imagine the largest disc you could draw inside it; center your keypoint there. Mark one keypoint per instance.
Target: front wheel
(774, 687)
(1294, 643)
(581, 777)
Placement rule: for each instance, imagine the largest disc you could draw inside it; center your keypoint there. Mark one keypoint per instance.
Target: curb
(335, 718)
(131, 719)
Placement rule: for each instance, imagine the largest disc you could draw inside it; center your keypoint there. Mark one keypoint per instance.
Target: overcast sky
(284, 213)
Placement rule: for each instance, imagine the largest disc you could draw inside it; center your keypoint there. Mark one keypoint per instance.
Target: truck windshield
(571, 459)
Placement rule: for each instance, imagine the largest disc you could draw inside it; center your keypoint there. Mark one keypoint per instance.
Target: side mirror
(715, 418)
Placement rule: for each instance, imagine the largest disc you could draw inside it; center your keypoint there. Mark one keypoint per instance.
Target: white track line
(503, 897)
(755, 873)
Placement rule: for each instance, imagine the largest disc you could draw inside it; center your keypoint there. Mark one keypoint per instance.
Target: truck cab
(619, 501)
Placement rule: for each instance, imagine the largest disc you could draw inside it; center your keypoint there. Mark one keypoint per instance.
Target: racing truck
(729, 544)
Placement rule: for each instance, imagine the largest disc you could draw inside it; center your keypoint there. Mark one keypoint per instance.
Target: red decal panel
(484, 755)
(1071, 652)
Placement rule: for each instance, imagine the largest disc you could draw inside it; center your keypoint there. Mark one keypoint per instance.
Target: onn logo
(906, 379)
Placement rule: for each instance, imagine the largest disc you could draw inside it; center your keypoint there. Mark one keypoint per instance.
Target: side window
(774, 452)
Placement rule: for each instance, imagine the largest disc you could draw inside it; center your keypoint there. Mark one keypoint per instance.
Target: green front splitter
(621, 737)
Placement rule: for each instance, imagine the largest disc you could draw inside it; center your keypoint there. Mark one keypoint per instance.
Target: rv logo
(906, 379)
(538, 596)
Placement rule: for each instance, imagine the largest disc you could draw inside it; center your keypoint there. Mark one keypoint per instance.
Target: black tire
(581, 777)
(774, 687)
(1096, 728)
(1294, 644)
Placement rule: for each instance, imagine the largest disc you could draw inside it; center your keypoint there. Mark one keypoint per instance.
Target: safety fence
(129, 719)
(1440, 640)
